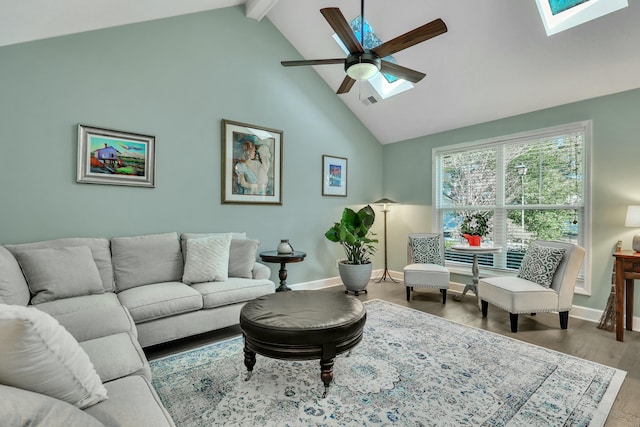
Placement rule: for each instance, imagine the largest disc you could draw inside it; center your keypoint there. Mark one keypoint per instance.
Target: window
(529, 186)
(560, 15)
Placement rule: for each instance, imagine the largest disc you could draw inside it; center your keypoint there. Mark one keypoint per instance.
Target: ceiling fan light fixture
(362, 66)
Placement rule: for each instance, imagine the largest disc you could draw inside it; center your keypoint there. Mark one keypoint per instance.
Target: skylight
(385, 85)
(560, 15)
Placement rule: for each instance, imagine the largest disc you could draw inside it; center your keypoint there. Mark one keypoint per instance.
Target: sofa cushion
(116, 356)
(132, 402)
(234, 290)
(99, 250)
(25, 408)
(242, 257)
(99, 322)
(159, 300)
(39, 355)
(540, 264)
(516, 295)
(207, 259)
(82, 303)
(141, 260)
(57, 273)
(13, 287)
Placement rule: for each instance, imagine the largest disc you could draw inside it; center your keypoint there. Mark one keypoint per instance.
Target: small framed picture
(334, 176)
(114, 157)
(251, 164)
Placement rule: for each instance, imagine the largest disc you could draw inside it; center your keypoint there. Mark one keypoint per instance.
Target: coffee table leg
(249, 361)
(326, 374)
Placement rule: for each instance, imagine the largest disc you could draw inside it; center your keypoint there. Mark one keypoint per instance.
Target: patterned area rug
(411, 368)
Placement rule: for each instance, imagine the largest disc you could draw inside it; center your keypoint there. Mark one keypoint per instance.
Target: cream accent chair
(517, 295)
(425, 259)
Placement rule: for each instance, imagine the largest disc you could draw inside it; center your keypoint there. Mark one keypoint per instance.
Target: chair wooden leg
(485, 307)
(408, 293)
(444, 295)
(564, 319)
(514, 322)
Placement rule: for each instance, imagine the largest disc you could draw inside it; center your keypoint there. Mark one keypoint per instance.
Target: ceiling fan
(361, 63)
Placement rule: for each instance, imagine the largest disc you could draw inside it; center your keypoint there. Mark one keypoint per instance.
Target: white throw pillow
(39, 355)
(207, 259)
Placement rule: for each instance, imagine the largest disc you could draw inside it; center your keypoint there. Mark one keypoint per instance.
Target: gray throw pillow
(100, 251)
(57, 273)
(540, 264)
(426, 250)
(242, 257)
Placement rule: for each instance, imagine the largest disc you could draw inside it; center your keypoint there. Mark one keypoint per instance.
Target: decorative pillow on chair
(540, 264)
(426, 250)
(39, 355)
(207, 259)
(57, 273)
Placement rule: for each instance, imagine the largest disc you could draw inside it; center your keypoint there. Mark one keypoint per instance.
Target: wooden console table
(627, 270)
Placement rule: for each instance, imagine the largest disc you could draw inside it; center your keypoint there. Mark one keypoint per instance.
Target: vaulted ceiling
(495, 61)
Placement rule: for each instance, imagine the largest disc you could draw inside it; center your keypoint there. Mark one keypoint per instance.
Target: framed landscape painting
(251, 164)
(334, 176)
(114, 157)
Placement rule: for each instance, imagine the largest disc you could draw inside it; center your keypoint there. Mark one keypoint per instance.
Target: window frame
(583, 284)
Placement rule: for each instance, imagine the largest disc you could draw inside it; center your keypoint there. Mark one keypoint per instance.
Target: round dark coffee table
(302, 325)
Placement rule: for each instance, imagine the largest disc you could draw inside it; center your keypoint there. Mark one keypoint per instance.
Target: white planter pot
(355, 277)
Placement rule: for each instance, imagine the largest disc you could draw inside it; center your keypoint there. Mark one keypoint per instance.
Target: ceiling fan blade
(336, 19)
(346, 85)
(401, 72)
(413, 37)
(312, 62)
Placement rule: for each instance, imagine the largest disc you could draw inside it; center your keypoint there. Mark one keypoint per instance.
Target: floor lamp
(385, 273)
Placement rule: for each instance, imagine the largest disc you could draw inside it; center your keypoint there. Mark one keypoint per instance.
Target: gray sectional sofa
(115, 297)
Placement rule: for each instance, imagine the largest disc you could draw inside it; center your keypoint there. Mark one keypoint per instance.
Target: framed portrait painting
(251, 164)
(114, 157)
(334, 176)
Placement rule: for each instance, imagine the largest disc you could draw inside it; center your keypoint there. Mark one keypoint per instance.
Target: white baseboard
(577, 311)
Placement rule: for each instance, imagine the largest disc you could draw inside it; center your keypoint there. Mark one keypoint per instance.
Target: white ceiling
(494, 62)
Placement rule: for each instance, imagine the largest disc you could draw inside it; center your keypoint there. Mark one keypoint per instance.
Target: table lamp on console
(633, 220)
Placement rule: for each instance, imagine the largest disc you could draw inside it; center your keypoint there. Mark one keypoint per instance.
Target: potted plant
(353, 232)
(474, 227)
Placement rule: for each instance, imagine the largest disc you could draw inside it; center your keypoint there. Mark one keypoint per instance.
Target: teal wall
(615, 154)
(175, 79)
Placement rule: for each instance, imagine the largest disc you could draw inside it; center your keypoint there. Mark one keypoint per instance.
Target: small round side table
(283, 260)
(475, 250)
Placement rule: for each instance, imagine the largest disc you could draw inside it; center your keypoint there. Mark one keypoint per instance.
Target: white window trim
(583, 285)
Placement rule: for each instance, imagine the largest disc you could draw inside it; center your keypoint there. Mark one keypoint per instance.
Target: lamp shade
(633, 216)
(633, 220)
(386, 201)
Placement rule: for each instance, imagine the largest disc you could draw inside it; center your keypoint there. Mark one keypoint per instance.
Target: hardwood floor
(582, 339)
